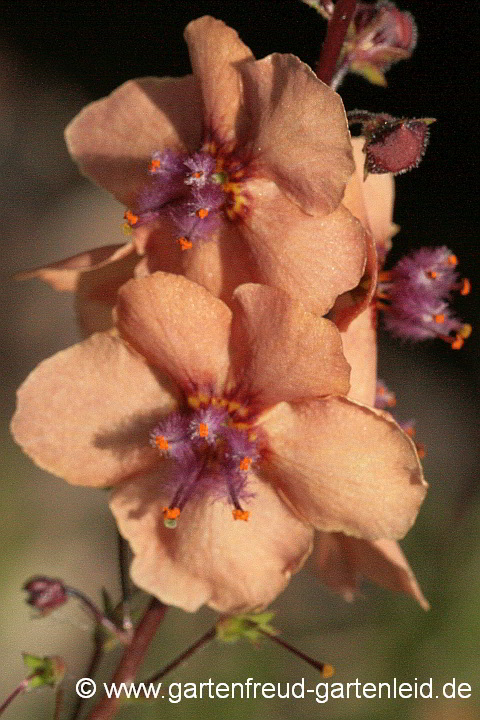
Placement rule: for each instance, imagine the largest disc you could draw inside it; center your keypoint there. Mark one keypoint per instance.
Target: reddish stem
(20, 688)
(336, 32)
(132, 659)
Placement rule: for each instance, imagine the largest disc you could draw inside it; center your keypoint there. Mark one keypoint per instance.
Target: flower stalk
(184, 656)
(336, 33)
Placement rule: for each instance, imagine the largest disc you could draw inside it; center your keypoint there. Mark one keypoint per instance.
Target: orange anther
(245, 463)
(171, 513)
(440, 318)
(465, 331)
(198, 174)
(432, 274)
(161, 442)
(130, 217)
(184, 243)
(466, 286)
(203, 430)
(202, 213)
(457, 343)
(328, 671)
(240, 514)
(452, 260)
(154, 165)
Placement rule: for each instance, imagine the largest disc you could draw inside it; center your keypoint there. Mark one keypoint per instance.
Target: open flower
(204, 418)
(342, 562)
(230, 175)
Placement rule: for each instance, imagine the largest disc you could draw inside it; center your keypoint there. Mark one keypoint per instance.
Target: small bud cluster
(415, 296)
(379, 36)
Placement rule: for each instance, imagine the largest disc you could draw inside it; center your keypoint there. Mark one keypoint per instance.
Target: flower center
(213, 448)
(194, 191)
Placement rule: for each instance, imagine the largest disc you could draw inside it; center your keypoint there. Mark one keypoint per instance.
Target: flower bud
(45, 594)
(379, 35)
(392, 145)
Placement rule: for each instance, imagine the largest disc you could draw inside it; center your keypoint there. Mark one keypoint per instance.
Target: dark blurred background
(55, 57)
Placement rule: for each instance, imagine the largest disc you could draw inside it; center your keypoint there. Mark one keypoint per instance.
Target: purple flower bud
(45, 594)
(392, 145)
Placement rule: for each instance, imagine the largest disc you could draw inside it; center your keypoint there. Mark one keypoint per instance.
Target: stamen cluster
(212, 452)
(415, 296)
(190, 190)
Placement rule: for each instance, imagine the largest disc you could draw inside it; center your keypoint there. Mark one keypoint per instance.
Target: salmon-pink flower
(196, 412)
(342, 561)
(230, 175)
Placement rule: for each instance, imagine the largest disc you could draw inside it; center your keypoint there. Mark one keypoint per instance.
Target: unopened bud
(392, 145)
(379, 35)
(45, 594)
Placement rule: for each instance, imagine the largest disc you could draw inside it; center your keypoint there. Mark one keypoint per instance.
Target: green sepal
(247, 625)
(45, 671)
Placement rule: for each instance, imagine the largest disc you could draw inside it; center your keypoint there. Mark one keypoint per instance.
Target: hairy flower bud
(392, 145)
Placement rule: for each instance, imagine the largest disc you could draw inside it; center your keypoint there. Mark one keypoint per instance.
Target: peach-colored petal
(179, 327)
(85, 413)
(112, 139)
(63, 275)
(342, 561)
(301, 137)
(217, 55)
(371, 200)
(209, 558)
(333, 564)
(219, 264)
(360, 350)
(313, 259)
(280, 351)
(352, 303)
(344, 467)
(97, 291)
(222, 263)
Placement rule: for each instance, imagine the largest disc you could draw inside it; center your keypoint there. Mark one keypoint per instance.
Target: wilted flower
(204, 408)
(231, 175)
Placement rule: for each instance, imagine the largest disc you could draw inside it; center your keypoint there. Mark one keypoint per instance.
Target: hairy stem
(132, 658)
(337, 29)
